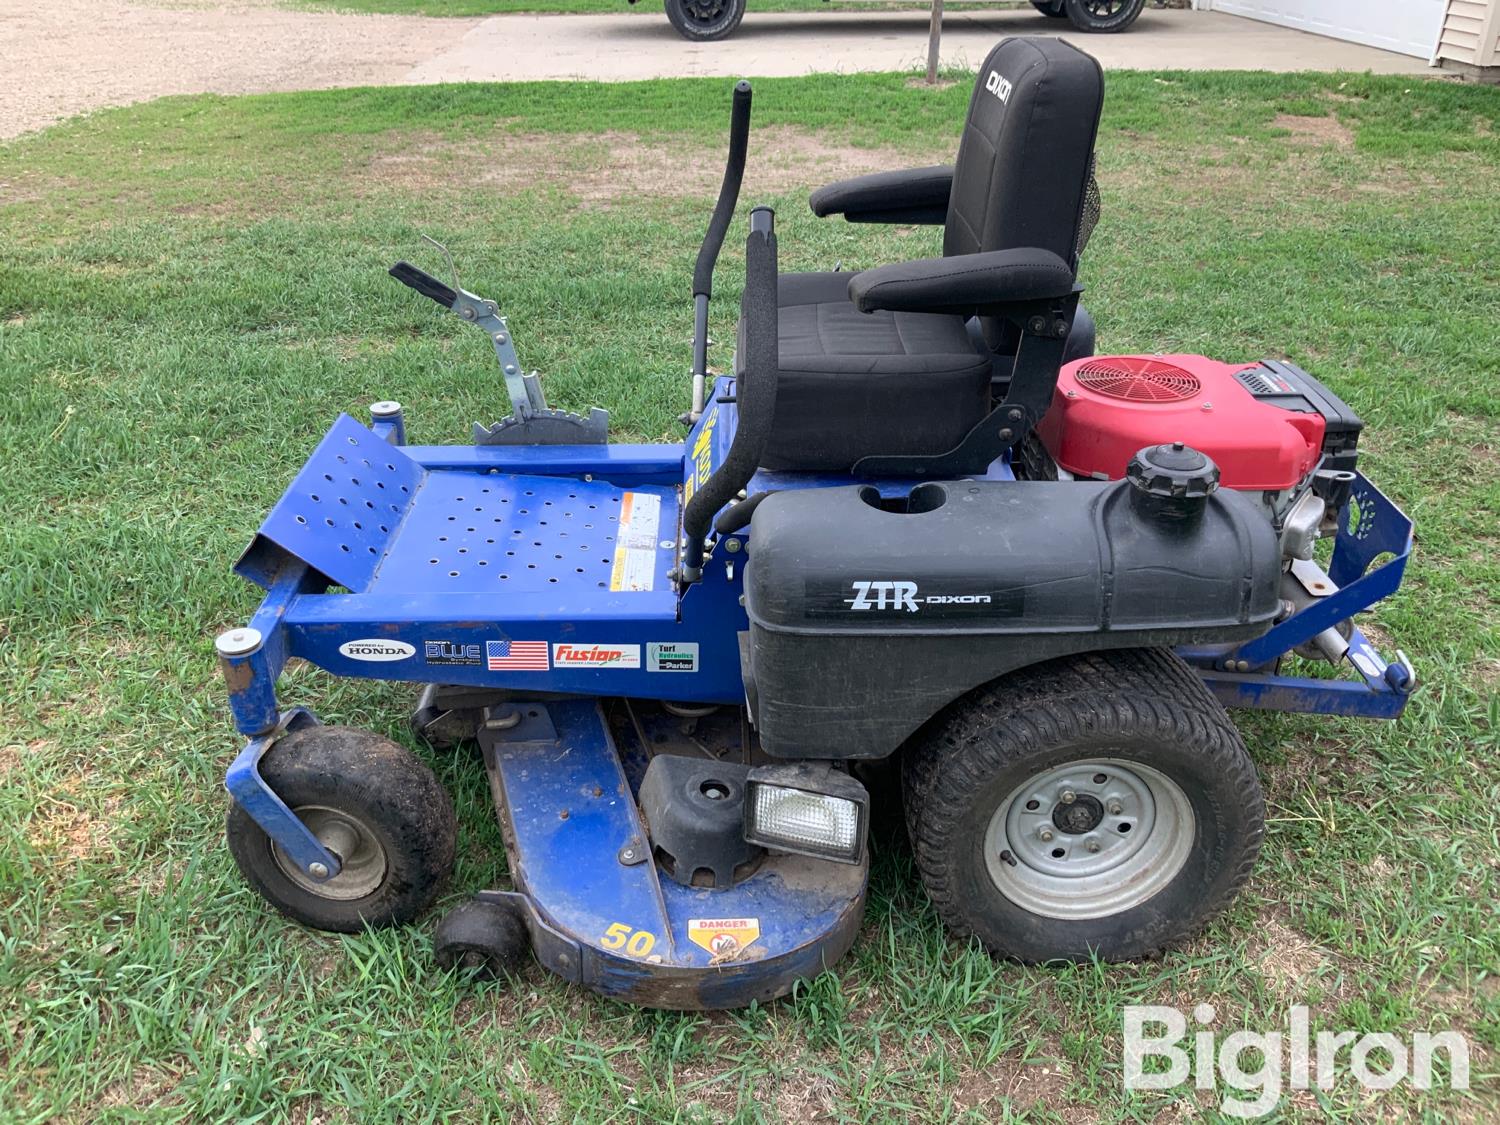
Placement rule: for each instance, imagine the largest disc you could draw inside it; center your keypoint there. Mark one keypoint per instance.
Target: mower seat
(901, 360)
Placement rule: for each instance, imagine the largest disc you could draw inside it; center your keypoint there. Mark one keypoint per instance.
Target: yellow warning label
(702, 456)
(725, 938)
(635, 545)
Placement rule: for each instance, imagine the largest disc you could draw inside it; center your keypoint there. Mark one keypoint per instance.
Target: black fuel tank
(867, 615)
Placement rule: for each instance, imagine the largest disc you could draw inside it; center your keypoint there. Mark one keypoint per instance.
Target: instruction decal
(674, 656)
(725, 938)
(596, 656)
(634, 570)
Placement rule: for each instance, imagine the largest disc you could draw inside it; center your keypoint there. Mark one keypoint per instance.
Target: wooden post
(934, 37)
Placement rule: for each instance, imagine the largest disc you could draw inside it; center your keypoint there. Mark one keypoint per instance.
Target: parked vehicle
(707, 20)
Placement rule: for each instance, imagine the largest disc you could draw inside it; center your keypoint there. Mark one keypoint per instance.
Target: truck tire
(1103, 15)
(705, 20)
(1099, 805)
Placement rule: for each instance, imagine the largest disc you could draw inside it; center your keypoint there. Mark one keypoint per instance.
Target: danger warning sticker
(635, 545)
(725, 938)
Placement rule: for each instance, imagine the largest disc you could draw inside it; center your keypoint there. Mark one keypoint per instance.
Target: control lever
(531, 421)
(713, 241)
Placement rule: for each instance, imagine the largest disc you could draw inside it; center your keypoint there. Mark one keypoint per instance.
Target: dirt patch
(1487, 672)
(1286, 957)
(1316, 130)
(608, 169)
(1011, 1083)
(68, 832)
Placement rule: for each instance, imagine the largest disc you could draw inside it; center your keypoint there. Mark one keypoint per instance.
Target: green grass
(190, 290)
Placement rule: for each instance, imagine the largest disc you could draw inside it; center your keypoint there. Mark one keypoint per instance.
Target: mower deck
(602, 914)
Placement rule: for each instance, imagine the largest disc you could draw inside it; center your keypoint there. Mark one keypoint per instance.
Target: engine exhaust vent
(1137, 379)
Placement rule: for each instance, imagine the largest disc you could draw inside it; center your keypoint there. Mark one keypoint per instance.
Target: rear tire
(1123, 762)
(1103, 15)
(703, 21)
(370, 801)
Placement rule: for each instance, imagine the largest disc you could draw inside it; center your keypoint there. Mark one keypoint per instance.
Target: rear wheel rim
(362, 859)
(1089, 839)
(1105, 9)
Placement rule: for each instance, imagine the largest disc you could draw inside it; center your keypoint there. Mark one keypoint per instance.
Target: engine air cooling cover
(1106, 408)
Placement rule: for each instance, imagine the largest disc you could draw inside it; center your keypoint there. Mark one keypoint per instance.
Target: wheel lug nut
(1044, 835)
(317, 870)
(1067, 796)
(1091, 845)
(1114, 808)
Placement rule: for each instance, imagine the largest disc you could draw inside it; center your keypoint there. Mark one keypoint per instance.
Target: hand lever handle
(424, 283)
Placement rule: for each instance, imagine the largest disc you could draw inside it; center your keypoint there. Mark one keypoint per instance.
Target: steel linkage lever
(531, 421)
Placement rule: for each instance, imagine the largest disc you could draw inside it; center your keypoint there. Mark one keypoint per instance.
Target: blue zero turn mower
(920, 521)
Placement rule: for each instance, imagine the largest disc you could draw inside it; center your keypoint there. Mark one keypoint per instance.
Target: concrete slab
(770, 44)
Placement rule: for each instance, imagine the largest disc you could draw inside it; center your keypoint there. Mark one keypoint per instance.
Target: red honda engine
(1267, 425)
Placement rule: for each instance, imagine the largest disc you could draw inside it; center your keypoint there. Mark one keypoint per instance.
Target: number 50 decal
(637, 943)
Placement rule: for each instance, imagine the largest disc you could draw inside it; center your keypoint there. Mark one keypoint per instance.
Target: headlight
(807, 809)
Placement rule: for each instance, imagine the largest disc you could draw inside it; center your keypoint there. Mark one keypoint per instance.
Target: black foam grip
(424, 283)
(729, 191)
(755, 389)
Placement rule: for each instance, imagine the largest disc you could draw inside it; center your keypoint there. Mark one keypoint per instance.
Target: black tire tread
(492, 929)
(1083, 21)
(334, 765)
(695, 33)
(1106, 692)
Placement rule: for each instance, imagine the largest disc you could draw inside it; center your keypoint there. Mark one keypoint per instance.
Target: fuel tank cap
(1172, 470)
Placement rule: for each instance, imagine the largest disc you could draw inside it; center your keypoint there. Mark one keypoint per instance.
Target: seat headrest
(1026, 155)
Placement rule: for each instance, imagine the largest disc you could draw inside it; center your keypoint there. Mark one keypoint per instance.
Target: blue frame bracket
(1370, 526)
(250, 791)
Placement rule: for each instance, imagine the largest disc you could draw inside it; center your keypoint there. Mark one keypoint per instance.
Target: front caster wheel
(371, 803)
(483, 935)
(1101, 805)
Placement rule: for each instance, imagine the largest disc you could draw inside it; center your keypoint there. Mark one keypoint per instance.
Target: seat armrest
(916, 195)
(965, 284)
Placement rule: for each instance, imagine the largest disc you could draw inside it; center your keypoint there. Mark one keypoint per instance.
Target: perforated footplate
(471, 533)
(342, 509)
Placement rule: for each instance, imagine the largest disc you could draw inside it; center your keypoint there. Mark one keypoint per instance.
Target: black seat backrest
(1024, 174)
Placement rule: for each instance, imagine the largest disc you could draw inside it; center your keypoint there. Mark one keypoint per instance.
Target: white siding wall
(1471, 32)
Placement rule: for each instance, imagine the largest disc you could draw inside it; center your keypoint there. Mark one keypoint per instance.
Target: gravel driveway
(58, 59)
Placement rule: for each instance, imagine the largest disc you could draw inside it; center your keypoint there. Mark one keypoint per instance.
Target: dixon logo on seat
(998, 86)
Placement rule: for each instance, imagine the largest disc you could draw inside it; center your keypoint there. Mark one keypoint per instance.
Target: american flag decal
(516, 656)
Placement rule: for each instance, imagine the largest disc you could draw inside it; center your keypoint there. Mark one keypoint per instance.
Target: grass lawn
(190, 290)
